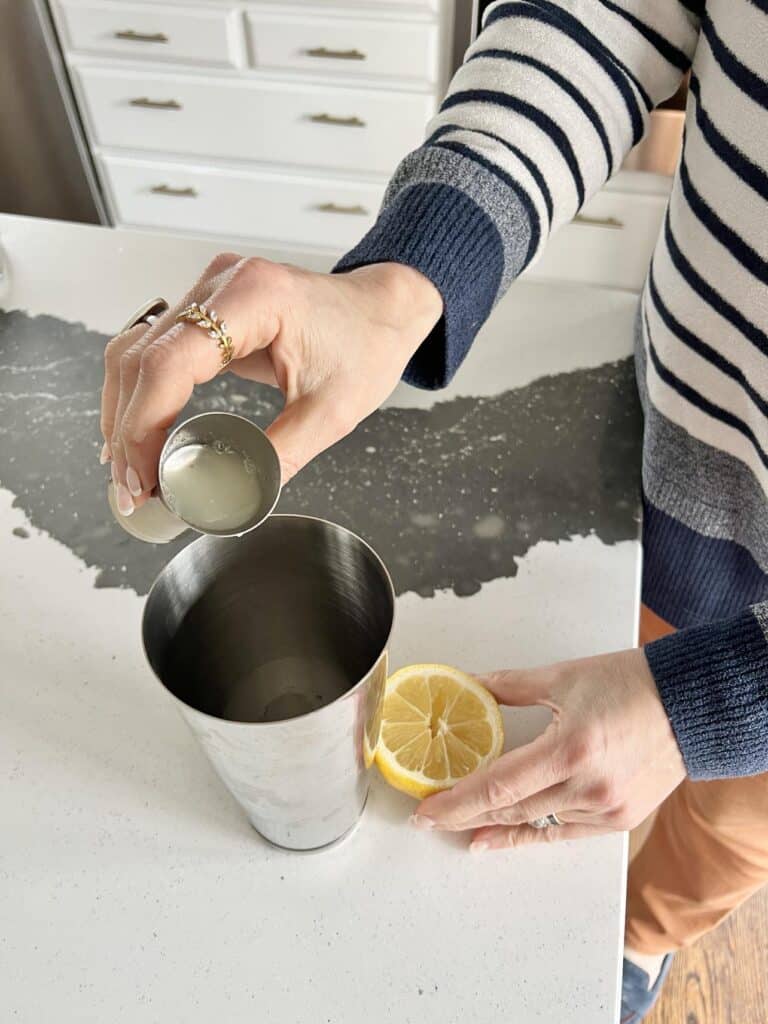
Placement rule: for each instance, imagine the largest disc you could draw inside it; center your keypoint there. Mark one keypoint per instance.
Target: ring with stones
(208, 320)
(546, 822)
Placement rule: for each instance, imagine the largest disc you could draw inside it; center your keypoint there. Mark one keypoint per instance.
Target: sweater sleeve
(713, 681)
(550, 98)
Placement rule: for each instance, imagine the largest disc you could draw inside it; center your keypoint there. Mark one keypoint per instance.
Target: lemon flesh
(438, 726)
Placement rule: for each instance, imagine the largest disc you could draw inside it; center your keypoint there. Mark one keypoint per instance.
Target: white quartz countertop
(132, 888)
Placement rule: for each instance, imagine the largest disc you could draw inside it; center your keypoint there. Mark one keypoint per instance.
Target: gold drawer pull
(323, 51)
(357, 209)
(142, 37)
(598, 222)
(167, 190)
(344, 122)
(148, 104)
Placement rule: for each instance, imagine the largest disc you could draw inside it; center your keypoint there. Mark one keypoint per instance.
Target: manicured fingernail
(124, 500)
(421, 821)
(106, 454)
(134, 484)
(478, 847)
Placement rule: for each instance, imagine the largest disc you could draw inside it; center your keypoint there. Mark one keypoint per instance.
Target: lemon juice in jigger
(211, 486)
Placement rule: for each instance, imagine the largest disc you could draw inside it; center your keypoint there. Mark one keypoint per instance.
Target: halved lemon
(439, 725)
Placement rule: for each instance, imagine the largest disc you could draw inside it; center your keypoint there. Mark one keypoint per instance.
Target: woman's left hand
(605, 762)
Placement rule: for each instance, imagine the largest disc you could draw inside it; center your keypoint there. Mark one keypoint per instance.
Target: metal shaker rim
(188, 552)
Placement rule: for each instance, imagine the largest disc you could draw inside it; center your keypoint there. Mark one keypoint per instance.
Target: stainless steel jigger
(274, 647)
(156, 522)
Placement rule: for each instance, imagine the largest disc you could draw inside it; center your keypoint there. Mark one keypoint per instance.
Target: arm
(713, 682)
(550, 98)
(542, 111)
(627, 728)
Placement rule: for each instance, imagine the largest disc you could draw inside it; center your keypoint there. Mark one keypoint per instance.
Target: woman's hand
(607, 759)
(335, 345)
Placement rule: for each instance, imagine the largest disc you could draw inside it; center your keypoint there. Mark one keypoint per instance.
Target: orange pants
(706, 853)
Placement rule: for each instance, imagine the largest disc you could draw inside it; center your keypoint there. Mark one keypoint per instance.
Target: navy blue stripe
(733, 242)
(694, 6)
(690, 579)
(524, 159)
(522, 195)
(550, 15)
(741, 165)
(687, 337)
(527, 110)
(669, 52)
(567, 86)
(710, 294)
(752, 84)
(699, 401)
(761, 5)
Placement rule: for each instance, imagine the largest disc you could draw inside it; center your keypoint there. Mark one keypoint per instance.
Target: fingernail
(115, 480)
(478, 847)
(124, 500)
(134, 484)
(106, 454)
(421, 821)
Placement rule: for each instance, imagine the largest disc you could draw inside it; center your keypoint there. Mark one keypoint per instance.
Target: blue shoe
(636, 998)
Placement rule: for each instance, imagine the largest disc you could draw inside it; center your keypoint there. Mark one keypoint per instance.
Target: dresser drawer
(196, 34)
(267, 121)
(347, 43)
(206, 200)
(610, 243)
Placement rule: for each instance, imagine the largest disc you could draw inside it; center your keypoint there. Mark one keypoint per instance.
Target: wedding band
(146, 314)
(546, 822)
(208, 320)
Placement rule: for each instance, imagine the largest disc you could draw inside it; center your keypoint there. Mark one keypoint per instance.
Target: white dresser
(269, 122)
(279, 124)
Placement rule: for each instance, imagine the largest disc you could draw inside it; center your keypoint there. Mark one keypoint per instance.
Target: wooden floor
(724, 978)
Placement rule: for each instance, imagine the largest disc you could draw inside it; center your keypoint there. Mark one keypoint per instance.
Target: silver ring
(146, 314)
(546, 822)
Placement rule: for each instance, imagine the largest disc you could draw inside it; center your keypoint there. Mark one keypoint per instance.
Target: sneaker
(637, 998)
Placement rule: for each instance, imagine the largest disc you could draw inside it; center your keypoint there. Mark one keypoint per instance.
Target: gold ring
(208, 320)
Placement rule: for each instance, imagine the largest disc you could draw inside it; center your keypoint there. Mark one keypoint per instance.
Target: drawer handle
(142, 37)
(323, 51)
(148, 104)
(167, 190)
(344, 122)
(598, 222)
(357, 209)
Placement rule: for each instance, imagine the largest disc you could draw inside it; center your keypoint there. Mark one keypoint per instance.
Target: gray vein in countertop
(450, 496)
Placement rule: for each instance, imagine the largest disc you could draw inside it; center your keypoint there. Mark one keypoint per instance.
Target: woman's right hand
(335, 344)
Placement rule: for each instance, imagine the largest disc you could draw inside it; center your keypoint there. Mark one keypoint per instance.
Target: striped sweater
(550, 98)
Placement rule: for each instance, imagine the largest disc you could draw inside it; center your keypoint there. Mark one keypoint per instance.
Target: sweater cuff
(713, 682)
(440, 217)
(442, 233)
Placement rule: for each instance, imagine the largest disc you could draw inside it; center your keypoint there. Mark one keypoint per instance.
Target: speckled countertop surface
(131, 889)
